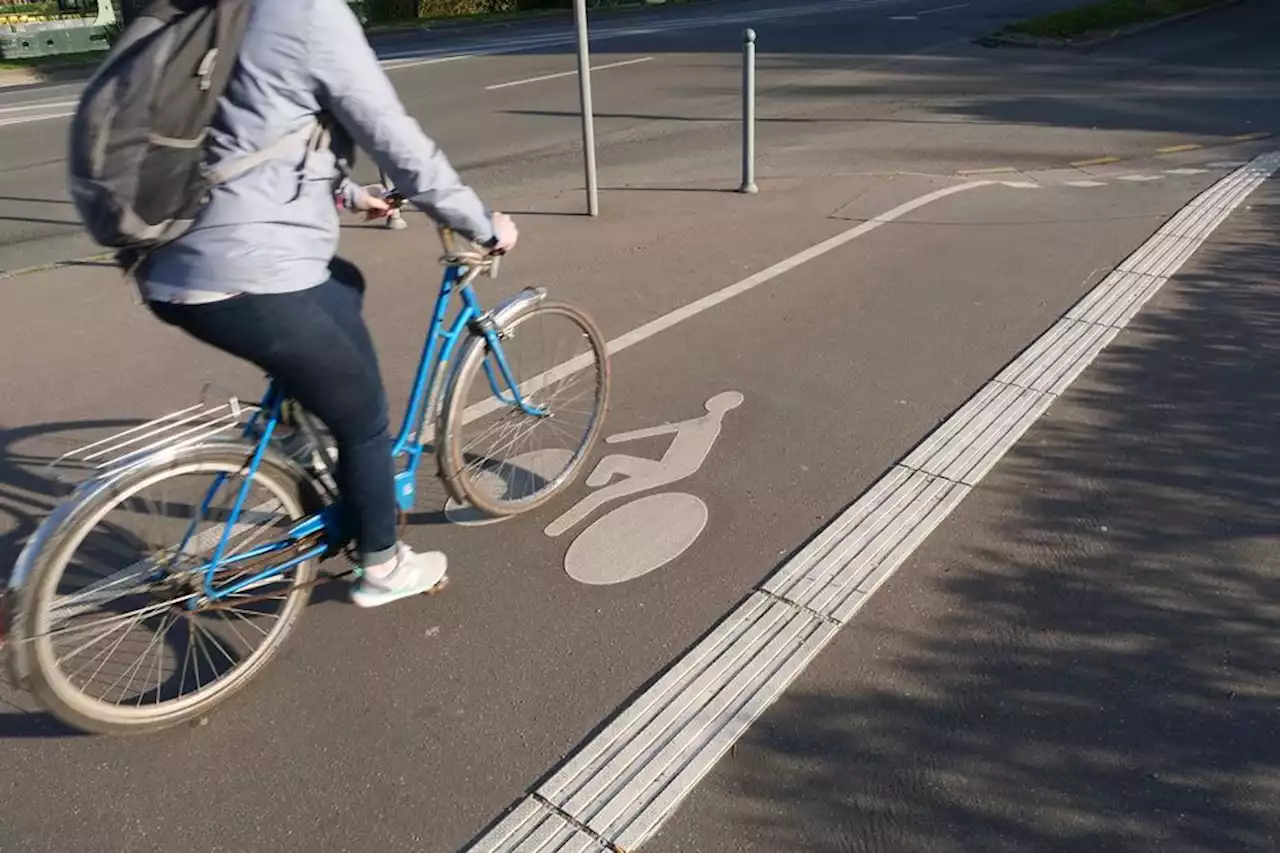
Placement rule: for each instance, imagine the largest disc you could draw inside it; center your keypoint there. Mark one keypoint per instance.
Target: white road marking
(29, 119)
(573, 73)
(1186, 171)
(918, 15)
(1084, 183)
(434, 56)
(407, 59)
(38, 106)
(1226, 164)
(711, 300)
(622, 784)
(395, 64)
(690, 446)
(1140, 179)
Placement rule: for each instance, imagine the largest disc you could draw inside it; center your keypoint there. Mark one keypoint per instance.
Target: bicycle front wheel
(115, 634)
(504, 453)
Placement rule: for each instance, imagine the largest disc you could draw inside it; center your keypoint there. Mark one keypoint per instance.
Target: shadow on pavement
(1211, 75)
(1088, 660)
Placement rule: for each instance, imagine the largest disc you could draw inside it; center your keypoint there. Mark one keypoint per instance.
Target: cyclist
(257, 277)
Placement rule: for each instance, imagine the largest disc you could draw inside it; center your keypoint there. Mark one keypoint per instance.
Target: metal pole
(749, 113)
(588, 113)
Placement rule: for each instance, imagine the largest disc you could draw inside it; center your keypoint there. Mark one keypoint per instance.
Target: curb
(1015, 40)
(31, 77)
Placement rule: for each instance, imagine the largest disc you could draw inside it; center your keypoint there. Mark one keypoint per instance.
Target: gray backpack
(138, 169)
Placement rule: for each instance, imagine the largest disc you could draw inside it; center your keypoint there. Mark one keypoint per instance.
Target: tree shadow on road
(1213, 77)
(1089, 659)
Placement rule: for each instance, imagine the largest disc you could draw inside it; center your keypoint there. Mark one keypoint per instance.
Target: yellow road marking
(996, 170)
(1096, 161)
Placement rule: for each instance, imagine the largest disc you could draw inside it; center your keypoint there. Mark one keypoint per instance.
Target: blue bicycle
(242, 508)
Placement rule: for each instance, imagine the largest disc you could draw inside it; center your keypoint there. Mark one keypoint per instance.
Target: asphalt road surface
(415, 726)
(528, 131)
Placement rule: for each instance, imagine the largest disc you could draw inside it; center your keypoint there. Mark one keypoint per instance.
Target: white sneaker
(414, 574)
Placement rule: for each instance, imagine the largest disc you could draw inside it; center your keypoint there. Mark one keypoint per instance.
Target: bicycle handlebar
(458, 251)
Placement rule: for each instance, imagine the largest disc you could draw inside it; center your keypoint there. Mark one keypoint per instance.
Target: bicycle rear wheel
(107, 637)
(494, 455)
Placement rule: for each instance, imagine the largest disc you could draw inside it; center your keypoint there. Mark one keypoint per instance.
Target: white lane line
(410, 58)
(29, 119)
(918, 15)
(573, 73)
(1084, 183)
(711, 300)
(1186, 171)
(396, 64)
(46, 105)
(1140, 179)
(622, 784)
(433, 56)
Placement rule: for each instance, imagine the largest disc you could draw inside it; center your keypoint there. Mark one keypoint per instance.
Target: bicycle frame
(461, 270)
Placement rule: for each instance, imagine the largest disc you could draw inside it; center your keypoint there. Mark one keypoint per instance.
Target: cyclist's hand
(370, 202)
(504, 229)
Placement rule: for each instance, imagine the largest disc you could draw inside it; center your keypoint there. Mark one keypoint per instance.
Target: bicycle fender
(10, 600)
(517, 303)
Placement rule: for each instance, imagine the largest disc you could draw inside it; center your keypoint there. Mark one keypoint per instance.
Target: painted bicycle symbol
(643, 535)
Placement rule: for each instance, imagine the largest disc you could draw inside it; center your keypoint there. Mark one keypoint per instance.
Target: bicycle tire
(458, 477)
(38, 667)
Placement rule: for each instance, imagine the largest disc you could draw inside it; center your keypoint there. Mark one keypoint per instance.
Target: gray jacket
(274, 229)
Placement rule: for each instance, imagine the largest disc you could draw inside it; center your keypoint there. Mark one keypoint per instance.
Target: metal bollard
(749, 113)
(588, 109)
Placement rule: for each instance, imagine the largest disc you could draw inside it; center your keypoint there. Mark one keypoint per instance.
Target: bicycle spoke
(168, 623)
(213, 640)
(231, 625)
(124, 634)
(213, 670)
(146, 611)
(239, 612)
(134, 670)
(86, 646)
(124, 620)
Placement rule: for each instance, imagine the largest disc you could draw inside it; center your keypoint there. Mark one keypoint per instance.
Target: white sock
(384, 569)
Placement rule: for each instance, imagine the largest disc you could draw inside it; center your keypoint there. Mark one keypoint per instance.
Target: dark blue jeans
(316, 345)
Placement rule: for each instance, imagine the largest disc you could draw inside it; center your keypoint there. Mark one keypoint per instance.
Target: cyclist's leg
(316, 345)
(315, 360)
(343, 298)
(389, 575)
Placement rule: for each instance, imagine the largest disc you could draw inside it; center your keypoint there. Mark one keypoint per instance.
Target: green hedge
(1104, 15)
(49, 8)
(381, 11)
